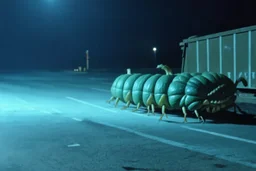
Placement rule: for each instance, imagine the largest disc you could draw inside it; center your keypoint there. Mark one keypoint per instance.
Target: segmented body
(187, 91)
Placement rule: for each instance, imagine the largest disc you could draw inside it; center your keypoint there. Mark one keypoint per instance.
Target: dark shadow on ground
(127, 168)
(243, 116)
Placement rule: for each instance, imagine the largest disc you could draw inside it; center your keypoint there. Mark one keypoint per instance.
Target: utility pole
(87, 60)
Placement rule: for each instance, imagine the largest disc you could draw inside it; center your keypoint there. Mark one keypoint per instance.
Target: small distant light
(154, 49)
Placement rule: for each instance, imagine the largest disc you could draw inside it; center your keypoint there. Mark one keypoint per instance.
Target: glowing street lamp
(154, 50)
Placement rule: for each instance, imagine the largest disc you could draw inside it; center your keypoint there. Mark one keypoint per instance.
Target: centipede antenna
(167, 69)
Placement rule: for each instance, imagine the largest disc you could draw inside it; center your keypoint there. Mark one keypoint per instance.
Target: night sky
(54, 34)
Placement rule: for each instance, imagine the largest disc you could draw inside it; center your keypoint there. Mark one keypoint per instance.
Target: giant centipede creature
(194, 92)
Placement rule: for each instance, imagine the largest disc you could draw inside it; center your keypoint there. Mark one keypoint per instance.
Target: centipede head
(210, 91)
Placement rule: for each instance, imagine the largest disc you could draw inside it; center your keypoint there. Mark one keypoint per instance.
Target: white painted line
(74, 145)
(76, 119)
(21, 100)
(151, 116)
(47, 112)
(56, 110)
(31, 108)
(102, 90)
(181, 145)
(221, 135)
(89, 104)
(25, 103)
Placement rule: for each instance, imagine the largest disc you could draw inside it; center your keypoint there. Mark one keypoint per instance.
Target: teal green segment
(161, 88)
(114, 85)
(137, 89)
(149, 87)
(176, 90)
(199, 86)
(129, 83)
(120, 86)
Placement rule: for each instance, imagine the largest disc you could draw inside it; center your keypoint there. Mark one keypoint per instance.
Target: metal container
(232, 53)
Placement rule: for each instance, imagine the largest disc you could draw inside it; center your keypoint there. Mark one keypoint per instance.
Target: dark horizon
(52, 34)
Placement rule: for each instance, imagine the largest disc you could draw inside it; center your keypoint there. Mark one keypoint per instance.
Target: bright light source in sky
(154, 49)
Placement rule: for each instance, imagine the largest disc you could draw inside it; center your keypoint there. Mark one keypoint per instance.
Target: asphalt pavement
(60, 121)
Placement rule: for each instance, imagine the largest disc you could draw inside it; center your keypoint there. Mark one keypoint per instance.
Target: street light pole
(87, 60)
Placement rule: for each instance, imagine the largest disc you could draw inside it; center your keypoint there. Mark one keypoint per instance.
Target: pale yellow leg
(217, 108)
(208, 109)
(137, 108)
(148, 108)
(111, 99)
(127, 105)
(117, 100)
(235, 109)
(198, 116)
(185, 114)
(153, 108)
(214, 109)
(163, 113)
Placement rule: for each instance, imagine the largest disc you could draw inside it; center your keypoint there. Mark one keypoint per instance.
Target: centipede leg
(185, 114)
(208, 109)
(111, 99)
(235, 107)
(163, 113)
(148, 108)
(127, 105)
(117, 100)
(153, 109)
(137, 108)
(198, 116)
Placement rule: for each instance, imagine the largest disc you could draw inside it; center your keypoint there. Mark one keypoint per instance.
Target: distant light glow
(154, 49)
